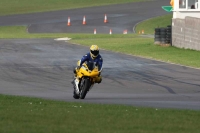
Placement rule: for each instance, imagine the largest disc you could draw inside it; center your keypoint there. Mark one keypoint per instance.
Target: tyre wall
(186, 33)
(162, 35)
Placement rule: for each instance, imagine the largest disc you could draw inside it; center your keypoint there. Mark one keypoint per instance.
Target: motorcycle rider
(92, 56)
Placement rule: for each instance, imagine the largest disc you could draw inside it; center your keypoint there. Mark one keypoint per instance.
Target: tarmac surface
(120, 17)
(44, 67)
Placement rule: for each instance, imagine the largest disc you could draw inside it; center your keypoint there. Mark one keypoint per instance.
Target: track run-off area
(44, 67)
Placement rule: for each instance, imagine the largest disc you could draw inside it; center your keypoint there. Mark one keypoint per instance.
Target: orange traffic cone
(142, 31)
(125, 32)
(84, 21)
(110, 31)
(68, 23)
(95, 32)
(105, 19)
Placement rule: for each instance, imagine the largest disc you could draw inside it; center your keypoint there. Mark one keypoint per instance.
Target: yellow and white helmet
(94, 51)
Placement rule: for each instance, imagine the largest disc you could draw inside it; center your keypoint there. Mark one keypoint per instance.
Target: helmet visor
(95, 52)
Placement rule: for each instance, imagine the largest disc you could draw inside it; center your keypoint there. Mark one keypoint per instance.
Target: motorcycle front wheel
(84, 88)
(75, 95)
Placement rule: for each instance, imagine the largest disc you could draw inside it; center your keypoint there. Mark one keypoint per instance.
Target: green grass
(31, 115)
(149, 25)
(26, 6)
(21, 32)
(145, 48)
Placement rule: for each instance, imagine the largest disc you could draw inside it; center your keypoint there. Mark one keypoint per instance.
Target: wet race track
(44, 67)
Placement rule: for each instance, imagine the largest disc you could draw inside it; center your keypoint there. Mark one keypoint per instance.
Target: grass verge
(149, 25)
(8, 7)
(21, 32)
(30, 115)
(129, 44)
(145, 48)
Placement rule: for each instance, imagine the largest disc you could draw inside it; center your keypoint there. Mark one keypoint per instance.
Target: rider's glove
(78, 67)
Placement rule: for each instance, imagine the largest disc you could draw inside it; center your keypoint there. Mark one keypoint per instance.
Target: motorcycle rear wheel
(84, 88)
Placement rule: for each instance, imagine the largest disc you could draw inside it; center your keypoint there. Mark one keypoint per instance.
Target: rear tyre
(84, 88)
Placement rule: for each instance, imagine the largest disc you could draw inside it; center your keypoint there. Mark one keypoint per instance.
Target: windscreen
(90, 65)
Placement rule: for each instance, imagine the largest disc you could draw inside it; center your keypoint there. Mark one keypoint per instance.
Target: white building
(183, 8)
(186, 24)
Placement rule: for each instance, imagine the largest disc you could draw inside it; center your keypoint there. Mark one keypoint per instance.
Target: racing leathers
(98, 60)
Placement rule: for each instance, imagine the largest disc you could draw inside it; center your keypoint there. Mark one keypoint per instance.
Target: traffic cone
(142, 31)
(95, 32)
(125, 32)
(110, 31)
(105, 19)
(68, 23)
(84, 21)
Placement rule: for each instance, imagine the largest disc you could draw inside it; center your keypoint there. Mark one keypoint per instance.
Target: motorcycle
(87, 75)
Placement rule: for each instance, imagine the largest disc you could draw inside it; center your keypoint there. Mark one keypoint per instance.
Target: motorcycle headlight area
(83, 67)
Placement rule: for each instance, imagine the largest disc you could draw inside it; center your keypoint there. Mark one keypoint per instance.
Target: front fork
(78, 84)
(91, 84)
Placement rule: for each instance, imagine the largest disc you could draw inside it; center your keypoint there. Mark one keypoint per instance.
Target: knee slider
(98, 80)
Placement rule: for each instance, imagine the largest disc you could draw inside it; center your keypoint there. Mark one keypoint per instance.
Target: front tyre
(85, 85)
(75, 95)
